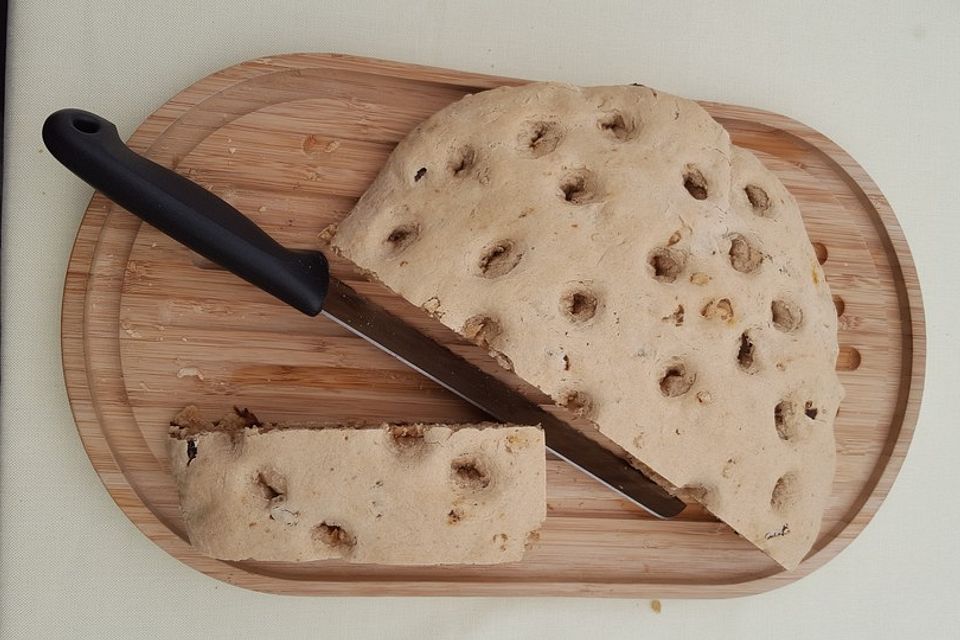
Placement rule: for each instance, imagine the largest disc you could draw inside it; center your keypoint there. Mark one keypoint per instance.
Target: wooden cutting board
(292, 141)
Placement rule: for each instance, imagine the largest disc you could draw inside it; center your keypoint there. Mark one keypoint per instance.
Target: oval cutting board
(292, 141)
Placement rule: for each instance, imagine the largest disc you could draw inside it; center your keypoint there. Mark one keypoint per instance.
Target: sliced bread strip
(414, 495)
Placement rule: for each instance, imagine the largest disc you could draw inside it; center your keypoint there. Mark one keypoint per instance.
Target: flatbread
(413, 495)
(615, 249)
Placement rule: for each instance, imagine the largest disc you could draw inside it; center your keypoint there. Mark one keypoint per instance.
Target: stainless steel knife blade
(377, 326)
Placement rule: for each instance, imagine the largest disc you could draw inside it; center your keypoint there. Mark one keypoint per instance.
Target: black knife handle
(90, 147)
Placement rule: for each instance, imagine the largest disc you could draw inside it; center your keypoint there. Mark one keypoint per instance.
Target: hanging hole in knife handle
(86, 125)
(90, 147)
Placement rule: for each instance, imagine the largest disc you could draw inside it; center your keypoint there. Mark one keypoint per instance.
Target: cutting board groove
(292, 141)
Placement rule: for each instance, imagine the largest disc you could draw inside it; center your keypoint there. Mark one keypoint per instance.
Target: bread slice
(414, 494)
(615, 249)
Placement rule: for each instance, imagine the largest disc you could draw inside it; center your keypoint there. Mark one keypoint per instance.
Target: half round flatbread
(615, 249)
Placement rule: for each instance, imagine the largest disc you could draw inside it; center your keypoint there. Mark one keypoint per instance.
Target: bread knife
(91, 148)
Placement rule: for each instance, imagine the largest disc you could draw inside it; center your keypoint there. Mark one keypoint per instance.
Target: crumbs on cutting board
(656, 606)
(190, 372)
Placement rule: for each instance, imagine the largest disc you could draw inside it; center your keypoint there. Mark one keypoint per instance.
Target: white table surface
(881, 79)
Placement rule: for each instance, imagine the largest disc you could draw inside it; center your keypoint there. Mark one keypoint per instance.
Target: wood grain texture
(292, 141)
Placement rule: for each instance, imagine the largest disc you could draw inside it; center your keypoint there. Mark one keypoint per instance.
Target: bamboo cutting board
(292, 141)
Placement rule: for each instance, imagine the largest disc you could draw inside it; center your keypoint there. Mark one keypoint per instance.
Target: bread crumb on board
(190, 372)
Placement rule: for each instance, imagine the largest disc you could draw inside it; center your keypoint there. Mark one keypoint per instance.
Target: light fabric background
(880, 78)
